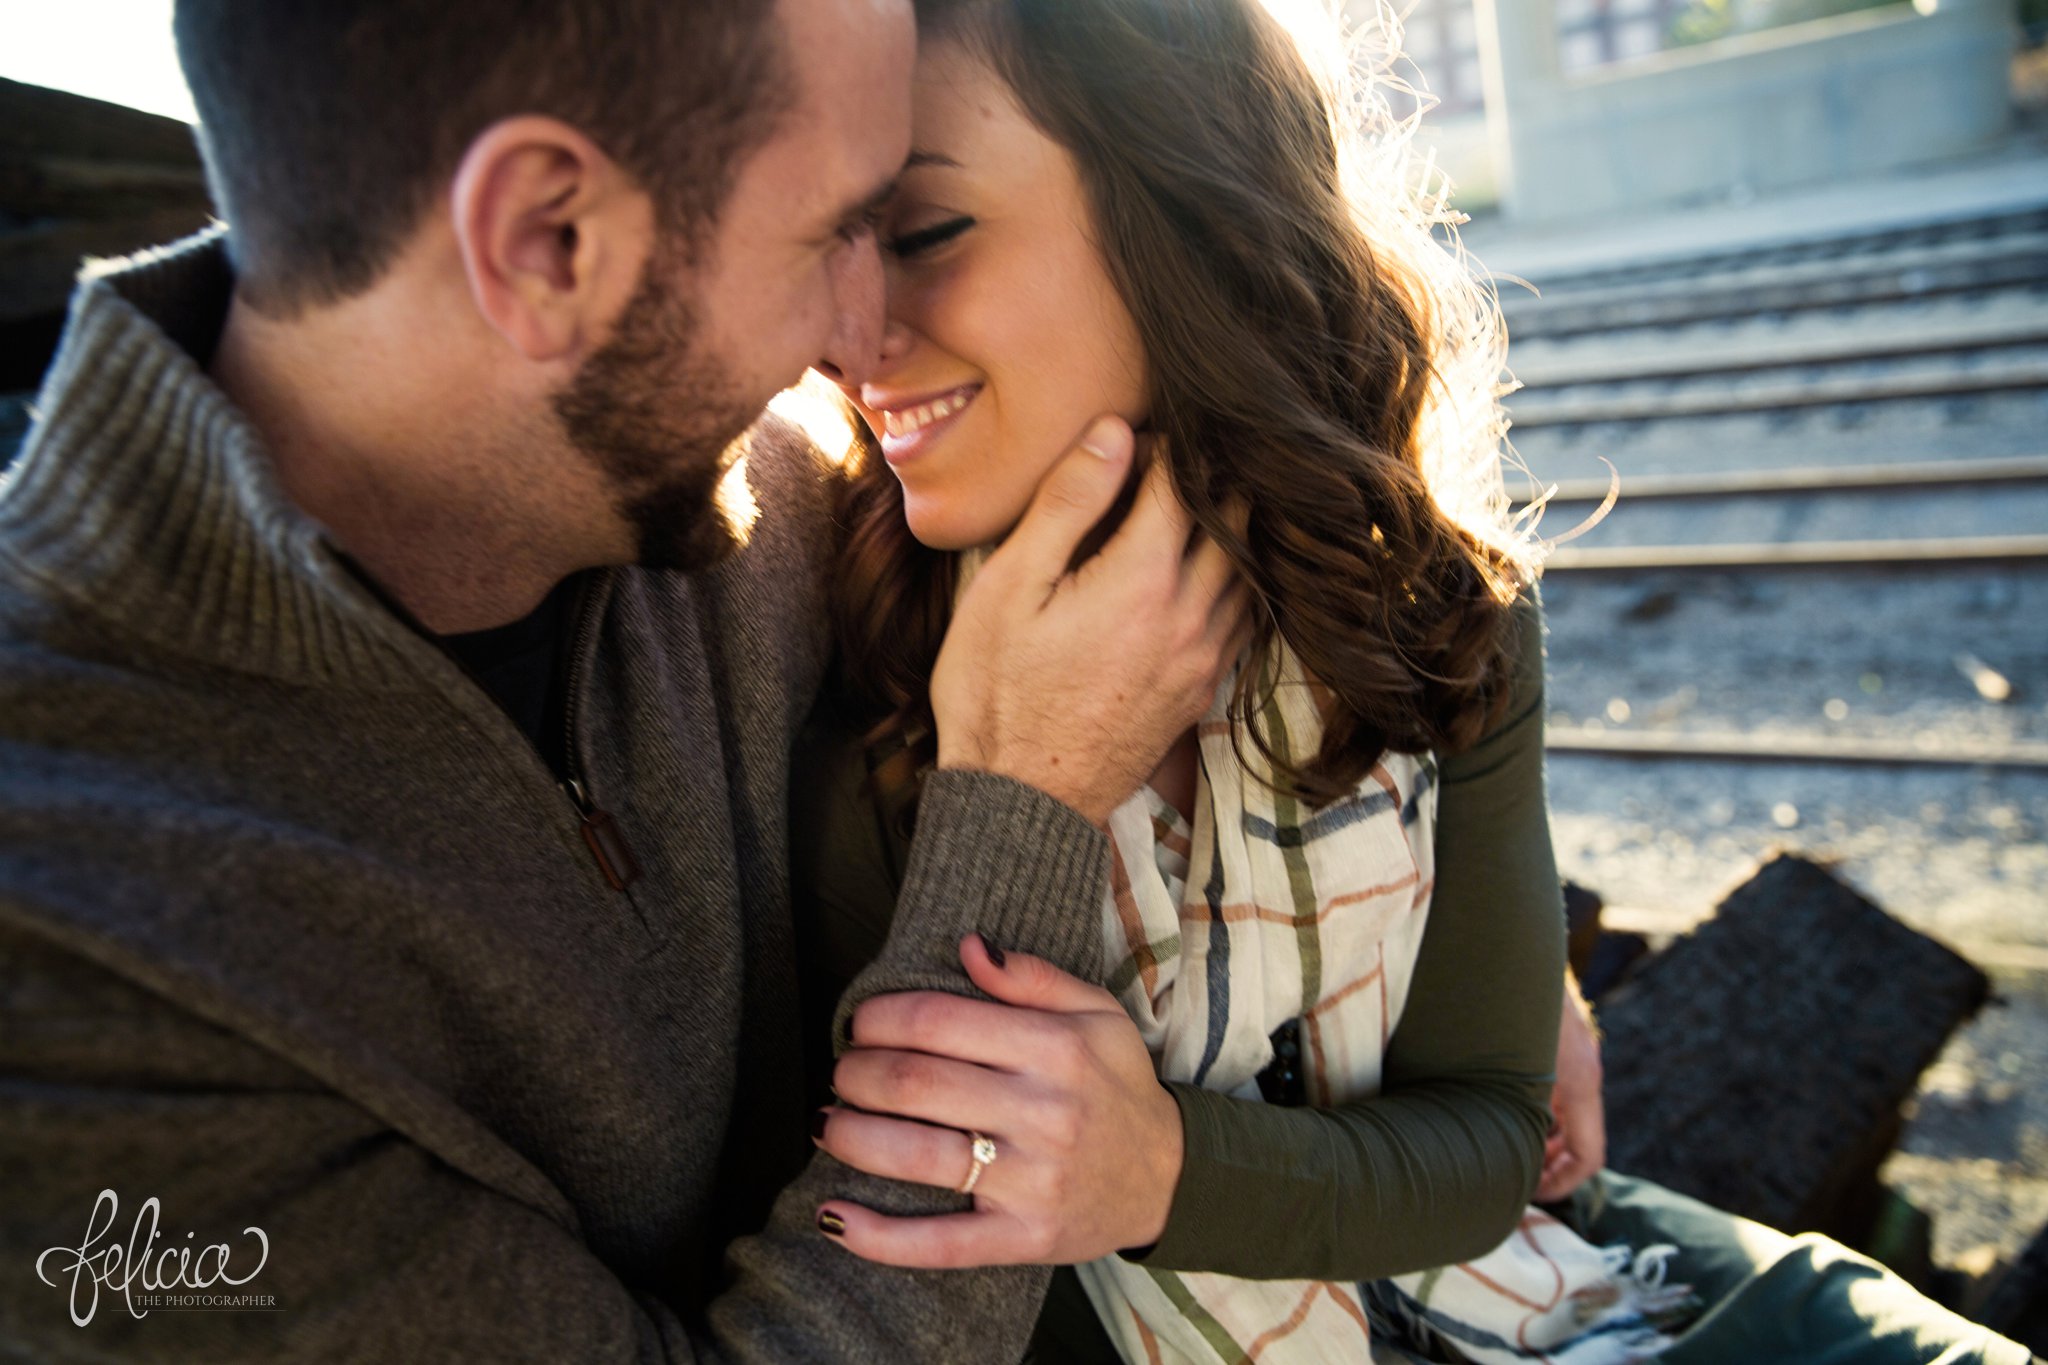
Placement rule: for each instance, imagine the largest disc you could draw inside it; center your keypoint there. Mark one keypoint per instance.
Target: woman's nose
(896, 341)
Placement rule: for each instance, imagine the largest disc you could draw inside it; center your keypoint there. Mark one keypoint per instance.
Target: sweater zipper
(601, 833)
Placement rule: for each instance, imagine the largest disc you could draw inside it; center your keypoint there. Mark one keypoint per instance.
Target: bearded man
(395, 717)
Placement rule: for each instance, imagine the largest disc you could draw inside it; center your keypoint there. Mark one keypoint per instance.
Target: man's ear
(553, 235)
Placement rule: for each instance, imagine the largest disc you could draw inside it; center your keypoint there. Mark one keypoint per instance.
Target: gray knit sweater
(298, 933)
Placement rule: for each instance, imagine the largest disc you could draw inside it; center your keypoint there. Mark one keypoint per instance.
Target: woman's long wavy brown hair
(1314, 354)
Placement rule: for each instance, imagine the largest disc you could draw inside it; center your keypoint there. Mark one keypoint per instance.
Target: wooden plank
(1760, 1062)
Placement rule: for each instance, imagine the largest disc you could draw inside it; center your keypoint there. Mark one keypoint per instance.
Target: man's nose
(853, 350)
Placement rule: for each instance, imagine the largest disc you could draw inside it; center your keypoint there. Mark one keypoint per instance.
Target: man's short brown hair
(329, 126)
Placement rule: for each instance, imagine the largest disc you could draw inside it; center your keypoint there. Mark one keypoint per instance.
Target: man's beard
(658, 415)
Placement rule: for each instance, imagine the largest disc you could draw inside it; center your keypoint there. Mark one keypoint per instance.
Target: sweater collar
(144, 497)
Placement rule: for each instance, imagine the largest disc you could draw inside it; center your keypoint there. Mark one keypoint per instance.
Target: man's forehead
(850, 119)
(841, 44)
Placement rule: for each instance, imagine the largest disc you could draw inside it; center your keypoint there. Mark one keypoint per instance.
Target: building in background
(1555, 109)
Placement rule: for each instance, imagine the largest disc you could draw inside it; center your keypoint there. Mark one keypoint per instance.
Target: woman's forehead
(960, 104)
(966, 121)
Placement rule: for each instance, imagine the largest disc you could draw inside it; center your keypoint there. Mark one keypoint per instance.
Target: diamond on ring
(982, 1150)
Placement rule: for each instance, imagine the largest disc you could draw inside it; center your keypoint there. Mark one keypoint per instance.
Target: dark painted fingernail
(818, 1122)
(831, 1224)
(995, 954)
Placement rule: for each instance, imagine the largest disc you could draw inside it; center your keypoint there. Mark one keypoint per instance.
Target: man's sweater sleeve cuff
(999, 858)
(995, 857)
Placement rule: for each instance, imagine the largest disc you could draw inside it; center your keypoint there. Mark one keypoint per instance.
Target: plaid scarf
(1263, 913)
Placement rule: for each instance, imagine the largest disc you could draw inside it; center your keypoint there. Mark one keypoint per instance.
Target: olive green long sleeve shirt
(1437, 1167)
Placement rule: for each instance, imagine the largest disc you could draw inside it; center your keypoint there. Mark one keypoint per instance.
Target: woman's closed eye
(925, 239)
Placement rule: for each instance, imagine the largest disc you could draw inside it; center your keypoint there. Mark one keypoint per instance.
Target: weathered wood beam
(1760, 1063)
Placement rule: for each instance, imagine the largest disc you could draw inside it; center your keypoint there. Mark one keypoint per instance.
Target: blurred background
(1782, 265)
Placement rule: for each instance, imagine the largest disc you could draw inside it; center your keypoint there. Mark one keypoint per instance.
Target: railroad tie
(1760, 1063)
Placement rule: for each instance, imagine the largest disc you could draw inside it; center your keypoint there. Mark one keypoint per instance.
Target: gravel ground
(1976, 1147)
(1814, 653)
(1958, 852)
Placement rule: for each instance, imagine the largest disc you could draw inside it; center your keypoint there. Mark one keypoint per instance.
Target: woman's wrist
(1164, 1158)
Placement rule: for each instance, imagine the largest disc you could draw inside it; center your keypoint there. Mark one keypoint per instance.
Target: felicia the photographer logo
(176, 1277)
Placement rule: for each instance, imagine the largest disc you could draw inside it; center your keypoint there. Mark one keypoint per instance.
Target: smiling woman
(983, 383)
(1304, 1116)
(1170, 220)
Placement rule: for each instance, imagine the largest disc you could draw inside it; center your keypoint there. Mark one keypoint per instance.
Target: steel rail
(1961, 473)
(1769, 397)
(1842, 348)
(1968, 551)
(2022, 755)
(1754, 273)
(1567, 314)
(1796, 252)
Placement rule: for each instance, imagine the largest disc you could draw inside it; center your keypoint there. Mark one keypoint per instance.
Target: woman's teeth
(908, 420)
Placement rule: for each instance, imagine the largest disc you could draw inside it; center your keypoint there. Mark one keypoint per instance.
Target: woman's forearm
(1433, 1175)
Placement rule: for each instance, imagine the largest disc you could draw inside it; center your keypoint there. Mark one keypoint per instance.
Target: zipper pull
(606, 840)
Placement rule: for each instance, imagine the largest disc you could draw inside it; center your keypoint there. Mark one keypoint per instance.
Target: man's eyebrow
(877, 200)
(883, 193)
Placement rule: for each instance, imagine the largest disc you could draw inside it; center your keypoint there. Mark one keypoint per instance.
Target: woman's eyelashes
(925, 239)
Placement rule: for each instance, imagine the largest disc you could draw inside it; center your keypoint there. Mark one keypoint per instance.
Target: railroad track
(1896, 265)
(1839, 750)
(1961, 471)
(1891, 387)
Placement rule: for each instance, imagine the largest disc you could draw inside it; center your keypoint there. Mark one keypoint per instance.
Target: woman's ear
(553, 235)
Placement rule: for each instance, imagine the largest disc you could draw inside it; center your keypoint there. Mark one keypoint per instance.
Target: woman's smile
(908, 425)
(1006, 335)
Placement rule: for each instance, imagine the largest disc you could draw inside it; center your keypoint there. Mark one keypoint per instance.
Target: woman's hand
(1088, 1142)
(1578, 1140)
